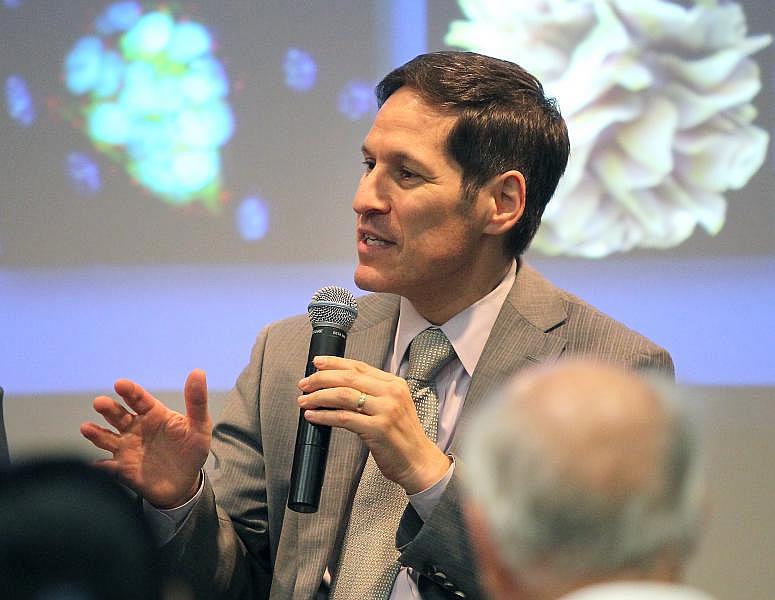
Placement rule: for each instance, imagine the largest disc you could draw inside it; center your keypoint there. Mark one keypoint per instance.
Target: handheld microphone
(332, 312)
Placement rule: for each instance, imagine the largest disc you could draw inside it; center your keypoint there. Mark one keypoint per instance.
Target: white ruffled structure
(657, 98)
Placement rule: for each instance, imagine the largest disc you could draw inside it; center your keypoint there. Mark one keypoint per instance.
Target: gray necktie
(369, 564)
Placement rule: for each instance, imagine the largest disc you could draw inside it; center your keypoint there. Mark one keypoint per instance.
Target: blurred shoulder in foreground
(71, 532)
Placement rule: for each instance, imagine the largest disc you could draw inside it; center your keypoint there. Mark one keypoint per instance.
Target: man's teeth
(372, 241)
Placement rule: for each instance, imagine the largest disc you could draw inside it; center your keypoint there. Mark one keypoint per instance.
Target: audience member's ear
(495, 576)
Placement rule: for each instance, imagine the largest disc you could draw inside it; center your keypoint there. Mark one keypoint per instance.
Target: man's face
(415, 235)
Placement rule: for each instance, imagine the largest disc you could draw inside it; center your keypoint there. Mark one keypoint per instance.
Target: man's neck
(439, 308)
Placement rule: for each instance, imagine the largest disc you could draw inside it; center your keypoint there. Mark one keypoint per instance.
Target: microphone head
(332, 306)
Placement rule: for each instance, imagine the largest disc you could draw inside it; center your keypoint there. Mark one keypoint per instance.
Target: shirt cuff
(164, 522)
(426, 500)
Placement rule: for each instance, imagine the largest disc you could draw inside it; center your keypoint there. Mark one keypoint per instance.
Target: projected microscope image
(149, 92)
(152, 96)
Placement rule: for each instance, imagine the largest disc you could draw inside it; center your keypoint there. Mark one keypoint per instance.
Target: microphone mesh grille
(332, 305)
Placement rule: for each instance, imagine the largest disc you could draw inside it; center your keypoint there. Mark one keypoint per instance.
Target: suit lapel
(522, 336)
(369, 341)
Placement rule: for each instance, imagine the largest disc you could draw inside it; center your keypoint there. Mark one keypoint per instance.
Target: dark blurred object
(5, 457)
(69, 531)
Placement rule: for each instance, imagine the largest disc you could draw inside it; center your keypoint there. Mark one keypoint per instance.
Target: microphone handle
(311, 452)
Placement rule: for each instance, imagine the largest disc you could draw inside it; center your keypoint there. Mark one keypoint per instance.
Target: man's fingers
(352, 421)
(195, 393)
(100, 437)
(362, 382)
(325, 363)
(135, 396)
(115, 414)
(339, 397)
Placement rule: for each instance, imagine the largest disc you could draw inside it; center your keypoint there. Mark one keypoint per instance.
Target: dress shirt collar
(467, 331)
(637, 590)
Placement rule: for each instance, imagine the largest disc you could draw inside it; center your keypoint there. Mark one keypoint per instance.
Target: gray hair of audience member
(541, 521)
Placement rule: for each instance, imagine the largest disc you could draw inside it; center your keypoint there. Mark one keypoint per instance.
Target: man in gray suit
(459, 164)
(583, 482)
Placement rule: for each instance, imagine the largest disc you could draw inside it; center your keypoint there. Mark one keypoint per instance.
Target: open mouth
(372, 240)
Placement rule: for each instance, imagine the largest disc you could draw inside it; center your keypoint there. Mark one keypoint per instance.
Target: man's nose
(371, 195)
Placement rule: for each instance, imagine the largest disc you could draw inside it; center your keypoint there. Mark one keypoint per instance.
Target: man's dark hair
(505, 121)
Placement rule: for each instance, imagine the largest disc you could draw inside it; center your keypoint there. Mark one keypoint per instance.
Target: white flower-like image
(657, 98)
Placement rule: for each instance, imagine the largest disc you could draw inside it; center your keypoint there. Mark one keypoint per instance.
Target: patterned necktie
(369, 564)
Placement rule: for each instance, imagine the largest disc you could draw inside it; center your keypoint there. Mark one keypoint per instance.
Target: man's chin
(369, 280)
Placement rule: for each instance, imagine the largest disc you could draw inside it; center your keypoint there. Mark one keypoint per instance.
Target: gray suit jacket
(249, 545)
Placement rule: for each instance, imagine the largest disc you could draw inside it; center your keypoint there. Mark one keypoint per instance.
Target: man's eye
(406, 173)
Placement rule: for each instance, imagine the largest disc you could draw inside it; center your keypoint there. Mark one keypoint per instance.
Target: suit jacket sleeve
(224, 551)
(439, 549)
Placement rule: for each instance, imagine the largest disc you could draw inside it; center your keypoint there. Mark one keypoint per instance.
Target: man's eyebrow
(398, 156)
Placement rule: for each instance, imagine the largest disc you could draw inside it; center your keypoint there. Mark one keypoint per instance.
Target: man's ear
(494, 575)
(507, 201)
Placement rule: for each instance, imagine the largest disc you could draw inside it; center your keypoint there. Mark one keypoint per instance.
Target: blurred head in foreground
(70, 532)
(580, 474)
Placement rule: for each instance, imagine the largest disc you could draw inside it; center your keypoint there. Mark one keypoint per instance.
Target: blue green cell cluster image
(151, 95)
